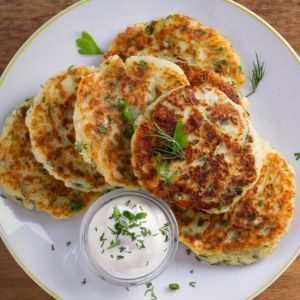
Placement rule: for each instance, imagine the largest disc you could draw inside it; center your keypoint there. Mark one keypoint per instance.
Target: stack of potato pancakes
(164, 113)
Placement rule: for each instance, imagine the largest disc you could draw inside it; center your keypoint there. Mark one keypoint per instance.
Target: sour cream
(128, 237)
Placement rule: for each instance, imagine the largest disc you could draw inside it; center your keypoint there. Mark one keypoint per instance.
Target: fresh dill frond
(258, 73)
(170, 147)
(297, 155)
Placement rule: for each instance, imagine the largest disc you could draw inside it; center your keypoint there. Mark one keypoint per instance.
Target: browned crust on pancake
(22, 175)
(200, 186)
(260, 219)
(160, 38)
(202, 77)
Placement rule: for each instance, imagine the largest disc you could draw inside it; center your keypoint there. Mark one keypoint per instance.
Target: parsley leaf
(86, 45)
(179, 136)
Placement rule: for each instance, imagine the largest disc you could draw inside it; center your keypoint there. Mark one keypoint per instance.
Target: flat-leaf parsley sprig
(258, 73)
(87, 45)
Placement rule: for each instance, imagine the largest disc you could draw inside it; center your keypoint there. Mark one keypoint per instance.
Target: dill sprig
(170, 147)
(258, 73)
(297, 155)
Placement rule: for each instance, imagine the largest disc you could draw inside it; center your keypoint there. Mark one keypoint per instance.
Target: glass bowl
(100, 272)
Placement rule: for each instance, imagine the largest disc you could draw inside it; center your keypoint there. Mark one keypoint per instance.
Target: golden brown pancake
(25, 181)
(107, 105)
(253, 228)
(221, 161)
(181, 37)
(51, 128)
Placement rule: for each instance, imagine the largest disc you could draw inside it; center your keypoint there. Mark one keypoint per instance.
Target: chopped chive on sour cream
(131, 239)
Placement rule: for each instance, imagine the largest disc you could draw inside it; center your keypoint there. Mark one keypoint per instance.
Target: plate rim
(36, 34)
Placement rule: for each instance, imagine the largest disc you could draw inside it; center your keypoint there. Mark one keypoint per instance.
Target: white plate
(274, 108)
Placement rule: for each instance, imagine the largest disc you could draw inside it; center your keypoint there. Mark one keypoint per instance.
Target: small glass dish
(100, 272)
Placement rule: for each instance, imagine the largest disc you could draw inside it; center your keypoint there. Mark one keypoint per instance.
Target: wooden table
(20, 18)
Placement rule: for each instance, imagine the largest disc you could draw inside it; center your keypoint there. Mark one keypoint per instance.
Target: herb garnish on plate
(258, 73)
(86, 45)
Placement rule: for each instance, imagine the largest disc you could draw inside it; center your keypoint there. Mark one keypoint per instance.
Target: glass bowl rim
(104, 199)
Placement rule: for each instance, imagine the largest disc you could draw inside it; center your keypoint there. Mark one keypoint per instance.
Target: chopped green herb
(149, 28)
(150, 289)
(141, 215)
(200, 222)
(75, 204)
(237, 190)
(198, 258)
(128, 133)
(257, 75)
(140, 244)
(297, 155)
(107, 97)
(261, 203)
(86, 45)
(192, 283)
(96, 229)
(141, 65)
(102, 129)
(68, 243)
(102, 239)
(128, 115)
(209, 189)
(77, 184)
(122, 249)
(147, 263)
(52, 247)
(127, 202)
(83, 282)
(164, 231)
(116, 213)
(129, 215)
(120, 257)
(174, 286)
(201, 32)
(192, 271)
(3, 196)
(113, 244)
(121, 104)
(145, 231)
(219, 49)
(188, 251)
(78, 147)
(221, 204)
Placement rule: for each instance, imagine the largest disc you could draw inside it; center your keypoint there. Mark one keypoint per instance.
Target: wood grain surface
(20, 18)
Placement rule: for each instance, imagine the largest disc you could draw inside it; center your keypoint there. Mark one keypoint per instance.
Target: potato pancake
(182, 37)
(52, 134)
(254, 227)
(25, 181)
(221, 158)
(108, 102)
